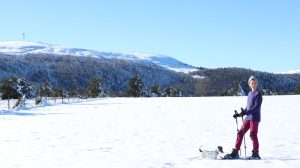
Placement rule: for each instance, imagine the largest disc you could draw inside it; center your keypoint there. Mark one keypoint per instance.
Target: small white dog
(205, 154)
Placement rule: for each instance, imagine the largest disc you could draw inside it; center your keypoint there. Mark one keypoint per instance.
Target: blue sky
(258, 34)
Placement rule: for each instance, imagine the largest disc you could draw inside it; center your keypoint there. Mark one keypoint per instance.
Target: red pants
(253, 134)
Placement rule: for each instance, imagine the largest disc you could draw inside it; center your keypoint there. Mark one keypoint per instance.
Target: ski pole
(244, 136)
(237, 127)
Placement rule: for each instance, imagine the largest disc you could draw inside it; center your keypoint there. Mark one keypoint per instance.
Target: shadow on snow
(16, 113)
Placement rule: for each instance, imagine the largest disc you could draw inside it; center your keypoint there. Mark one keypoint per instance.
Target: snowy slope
(295, 71)
(27, 47)
(145, 132)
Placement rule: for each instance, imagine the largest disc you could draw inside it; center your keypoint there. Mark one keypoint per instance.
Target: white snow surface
(28, 47)
(144, 132)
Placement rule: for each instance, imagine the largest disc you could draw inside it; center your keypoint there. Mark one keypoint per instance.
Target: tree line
(70, 75)
(21, 89)
(65, 72)
(234, 81)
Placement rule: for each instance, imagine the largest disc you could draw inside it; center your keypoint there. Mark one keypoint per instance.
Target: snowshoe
(234, 155)
(254, 156)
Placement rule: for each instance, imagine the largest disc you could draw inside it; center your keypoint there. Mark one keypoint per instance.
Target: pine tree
(168, 92)
(233, 89)
(172, 92)
(23, 87)
(297, 90)
(15, 88)
(8, 88)
(45, 90)
(155, 90)
(95, 88)
(175, 92)
(58, 92)
(74, 91)
(136, 87)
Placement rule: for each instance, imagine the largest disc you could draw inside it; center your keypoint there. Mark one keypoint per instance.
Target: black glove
(236, 115)
(242, 112)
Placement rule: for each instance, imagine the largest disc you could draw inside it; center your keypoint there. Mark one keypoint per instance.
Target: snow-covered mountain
(27, 47)
(295, 71)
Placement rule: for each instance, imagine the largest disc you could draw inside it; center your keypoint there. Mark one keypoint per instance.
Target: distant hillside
(222, 81)
(63, 71)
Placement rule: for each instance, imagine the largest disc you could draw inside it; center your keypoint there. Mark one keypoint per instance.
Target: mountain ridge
(294, 71)
(28, 47)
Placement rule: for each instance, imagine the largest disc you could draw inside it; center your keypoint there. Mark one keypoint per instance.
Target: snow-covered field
(144, 133)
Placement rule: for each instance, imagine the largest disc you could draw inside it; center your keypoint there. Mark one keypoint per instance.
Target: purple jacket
(253, 106)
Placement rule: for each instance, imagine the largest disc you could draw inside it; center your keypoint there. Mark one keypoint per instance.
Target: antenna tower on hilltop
(23, 35)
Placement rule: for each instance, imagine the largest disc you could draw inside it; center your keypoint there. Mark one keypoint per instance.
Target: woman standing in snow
(252, 112)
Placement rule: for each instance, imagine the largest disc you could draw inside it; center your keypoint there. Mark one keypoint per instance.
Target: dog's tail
(200, 148)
